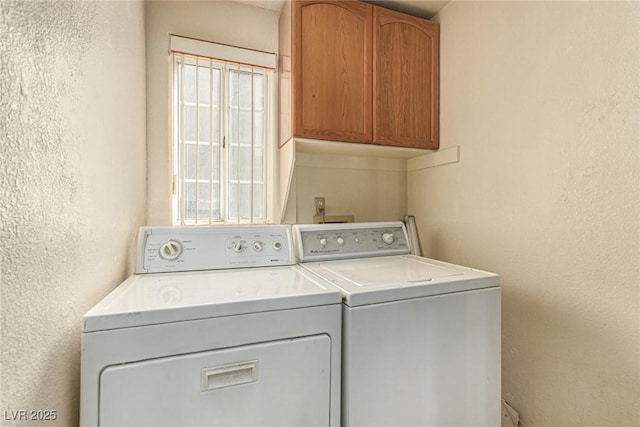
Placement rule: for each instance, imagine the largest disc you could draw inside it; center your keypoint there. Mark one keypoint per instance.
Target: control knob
(340, 241)
(323, 242)
(257, 246)
(237, 247)
(170, 250)
(387, 238)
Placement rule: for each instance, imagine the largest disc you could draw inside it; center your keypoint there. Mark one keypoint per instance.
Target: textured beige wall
(72, 195)
(217, 21)
(543, 99)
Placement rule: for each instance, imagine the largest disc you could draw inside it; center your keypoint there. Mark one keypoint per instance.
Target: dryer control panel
(322, 242)
(169, 249)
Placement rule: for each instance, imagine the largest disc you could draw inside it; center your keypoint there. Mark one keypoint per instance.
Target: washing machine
(218, 327)
(421, 337)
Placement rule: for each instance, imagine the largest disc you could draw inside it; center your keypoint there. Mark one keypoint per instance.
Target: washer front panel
(431, 361)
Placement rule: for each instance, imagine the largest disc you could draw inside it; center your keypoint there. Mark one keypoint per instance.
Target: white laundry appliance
(218, 327)
(421, 338)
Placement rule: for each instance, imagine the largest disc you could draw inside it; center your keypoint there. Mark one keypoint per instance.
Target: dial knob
(277, 246)
(257, 246)
(340, 241)
(323, 242)
(170, 250)
(387, 238)
(237, 247)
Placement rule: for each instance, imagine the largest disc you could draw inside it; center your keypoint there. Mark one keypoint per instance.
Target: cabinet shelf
(312, 146)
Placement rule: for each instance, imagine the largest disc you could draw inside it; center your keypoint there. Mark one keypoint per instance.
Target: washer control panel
(168, 249)
(320, 242)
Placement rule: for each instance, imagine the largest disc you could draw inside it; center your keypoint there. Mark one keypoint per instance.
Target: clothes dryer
(421, 338)
(218, 327)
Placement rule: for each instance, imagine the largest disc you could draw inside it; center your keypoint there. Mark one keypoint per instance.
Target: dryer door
(280, 383)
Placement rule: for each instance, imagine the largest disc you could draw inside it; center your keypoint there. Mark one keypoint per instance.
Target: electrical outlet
(318, 202)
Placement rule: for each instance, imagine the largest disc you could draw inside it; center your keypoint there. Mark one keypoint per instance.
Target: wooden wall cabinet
(325, 70)
(353, 72)
(406, 79)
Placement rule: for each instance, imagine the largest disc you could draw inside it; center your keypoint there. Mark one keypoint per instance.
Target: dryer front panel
(280, 383)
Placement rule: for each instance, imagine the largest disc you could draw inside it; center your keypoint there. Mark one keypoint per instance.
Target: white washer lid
(383, 279)
(172, 297)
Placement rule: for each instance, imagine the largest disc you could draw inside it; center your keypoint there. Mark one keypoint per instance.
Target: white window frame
(227, 59)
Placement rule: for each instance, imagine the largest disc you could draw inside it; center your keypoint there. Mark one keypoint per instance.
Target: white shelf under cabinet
(415, 158)
(355, 149)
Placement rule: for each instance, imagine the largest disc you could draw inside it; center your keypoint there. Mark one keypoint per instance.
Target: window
(221, 135)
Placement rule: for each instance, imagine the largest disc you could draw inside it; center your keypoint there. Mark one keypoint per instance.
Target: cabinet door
(332, 45)
(405, 57)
